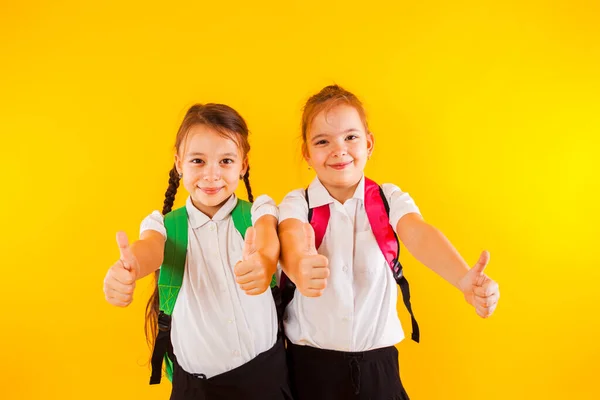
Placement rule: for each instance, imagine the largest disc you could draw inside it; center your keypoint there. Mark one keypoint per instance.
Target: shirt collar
(197, 218)
(319, 195)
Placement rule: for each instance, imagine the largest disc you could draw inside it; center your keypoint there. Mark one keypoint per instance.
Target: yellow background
(488, 114)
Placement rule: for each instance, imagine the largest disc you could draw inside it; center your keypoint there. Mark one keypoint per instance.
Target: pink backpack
(378, 211)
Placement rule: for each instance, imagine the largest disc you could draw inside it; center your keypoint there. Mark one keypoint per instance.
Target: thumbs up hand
(313, 269)
(251, 273)
(119, 282)
(479, 290)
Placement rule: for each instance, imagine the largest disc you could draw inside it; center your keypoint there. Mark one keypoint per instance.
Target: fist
(252, 272)
(119, 282)
(479, 290)
(313, 268)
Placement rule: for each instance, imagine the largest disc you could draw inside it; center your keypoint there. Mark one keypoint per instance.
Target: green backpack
(171, 278)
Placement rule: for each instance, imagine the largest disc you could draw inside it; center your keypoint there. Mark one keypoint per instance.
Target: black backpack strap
(401, 279)
(162, 347)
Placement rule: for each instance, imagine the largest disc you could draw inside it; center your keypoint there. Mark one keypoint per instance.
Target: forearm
(430, 247)
(267, 241)
(292, 239)
(149, 252)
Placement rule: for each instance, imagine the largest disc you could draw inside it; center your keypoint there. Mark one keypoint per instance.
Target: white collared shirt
(357, 311)
(215, 325)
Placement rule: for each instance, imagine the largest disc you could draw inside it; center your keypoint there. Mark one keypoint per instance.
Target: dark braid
(247, 183)
(152, 307)
(171, 190)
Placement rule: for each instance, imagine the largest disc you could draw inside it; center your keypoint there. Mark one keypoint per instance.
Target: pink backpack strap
(319, 219)
(377, 211)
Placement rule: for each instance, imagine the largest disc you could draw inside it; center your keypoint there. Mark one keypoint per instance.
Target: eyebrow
(196, 154)
(328, 134)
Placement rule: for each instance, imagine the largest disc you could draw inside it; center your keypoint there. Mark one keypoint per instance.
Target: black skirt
(263, 378)
(318, 374)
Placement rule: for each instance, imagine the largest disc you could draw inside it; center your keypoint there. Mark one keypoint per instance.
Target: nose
(340, 150)
(212, 173)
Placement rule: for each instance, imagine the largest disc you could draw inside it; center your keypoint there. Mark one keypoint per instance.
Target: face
(337, 148)
(211, 166)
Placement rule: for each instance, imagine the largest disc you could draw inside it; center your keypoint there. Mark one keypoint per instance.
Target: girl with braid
(221, 337)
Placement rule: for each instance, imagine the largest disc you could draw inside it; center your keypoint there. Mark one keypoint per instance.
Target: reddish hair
(326, 99)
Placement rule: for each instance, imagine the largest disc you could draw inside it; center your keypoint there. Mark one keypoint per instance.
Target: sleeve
(154, 221)
(294, 206)
(264, 205)
(400, 203)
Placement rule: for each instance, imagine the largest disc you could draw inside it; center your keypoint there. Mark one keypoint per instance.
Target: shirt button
(212, 227)
(344, 268)
(230, 321)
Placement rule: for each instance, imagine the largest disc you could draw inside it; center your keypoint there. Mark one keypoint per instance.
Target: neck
(209, 211)
(341, 193)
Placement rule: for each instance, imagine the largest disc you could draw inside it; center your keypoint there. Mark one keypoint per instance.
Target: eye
(227, 161)
(351, 137)
(321, 142)
(197, 161)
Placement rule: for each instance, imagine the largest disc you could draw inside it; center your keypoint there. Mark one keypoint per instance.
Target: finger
(315, 261)
(259, 285)
(243, 268)
(121, 274)
(482, 312)
(483, 261)
(125, 250)
(249, 285)
(485, 302)
(249, 243)
(481, 291)
(312, 293)
(309, 237)
(485, 287)
(317, 284)
(112, 294)
(119, 303)
(253, 276)
(114, 285)
(255, 291)
(320, 273)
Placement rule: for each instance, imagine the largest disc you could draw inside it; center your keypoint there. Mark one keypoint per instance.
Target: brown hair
(229, 124)
(327, 98)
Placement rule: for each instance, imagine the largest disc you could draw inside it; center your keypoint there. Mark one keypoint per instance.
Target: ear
(178, 163)
(244, 166)
(370, 143)
(305, 154)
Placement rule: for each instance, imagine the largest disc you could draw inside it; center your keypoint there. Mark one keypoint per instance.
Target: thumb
(309, 237)
(249, 242)
(127, 256)
(483, 261)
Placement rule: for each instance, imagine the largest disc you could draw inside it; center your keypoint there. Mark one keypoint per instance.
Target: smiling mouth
(340, 165)
(211, 190)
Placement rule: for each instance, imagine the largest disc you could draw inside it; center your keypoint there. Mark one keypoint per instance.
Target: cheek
(360, 149)
(318, 155)
(232, 174)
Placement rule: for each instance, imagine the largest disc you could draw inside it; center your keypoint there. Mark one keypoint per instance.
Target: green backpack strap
(242, 219)
(242, 216)
(173, 267)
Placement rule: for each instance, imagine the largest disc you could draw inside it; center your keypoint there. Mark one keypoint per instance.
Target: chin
(346, 180)
(212, 201)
